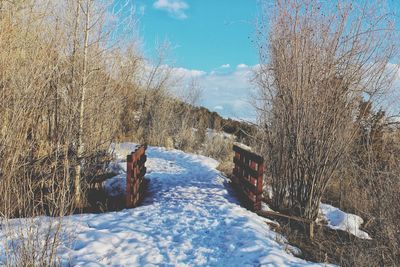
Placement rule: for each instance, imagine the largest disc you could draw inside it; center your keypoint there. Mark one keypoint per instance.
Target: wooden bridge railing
(247, 177)
(135, 171)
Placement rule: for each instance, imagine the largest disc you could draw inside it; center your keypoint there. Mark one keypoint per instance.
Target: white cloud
(228, 93)
(225, 66)
(242, 66)
(187, 74)
(175, 8)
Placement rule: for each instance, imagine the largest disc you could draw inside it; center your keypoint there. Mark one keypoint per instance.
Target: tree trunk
(80, 144)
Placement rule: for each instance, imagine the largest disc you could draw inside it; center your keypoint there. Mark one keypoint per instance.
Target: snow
(340, 220)
(245, 147)
(190, 217)
(336, 219)
(211, 133)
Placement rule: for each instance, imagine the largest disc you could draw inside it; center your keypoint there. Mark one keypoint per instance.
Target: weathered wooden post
(260, 181)
(135, 172)
(129, 169)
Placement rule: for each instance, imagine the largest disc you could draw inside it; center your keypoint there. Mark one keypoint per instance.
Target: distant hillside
(155, 117)
(210, 119)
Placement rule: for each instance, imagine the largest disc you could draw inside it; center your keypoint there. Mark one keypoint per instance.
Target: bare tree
(318, 59)
(47, 57)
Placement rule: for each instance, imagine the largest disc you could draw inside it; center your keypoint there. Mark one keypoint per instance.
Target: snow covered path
(190, 218)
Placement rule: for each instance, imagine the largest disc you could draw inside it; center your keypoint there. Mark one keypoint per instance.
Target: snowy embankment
(189, 218)
(339, 220)
(335, 219)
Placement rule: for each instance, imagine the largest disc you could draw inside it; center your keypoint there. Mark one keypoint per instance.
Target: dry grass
(368, 188)
(45, 63)
(325, 64)
(309, 89)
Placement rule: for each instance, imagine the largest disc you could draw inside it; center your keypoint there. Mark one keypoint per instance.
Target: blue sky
(211, 41)
(204, 34)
